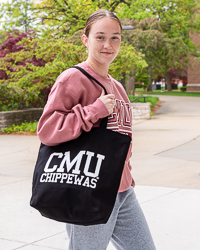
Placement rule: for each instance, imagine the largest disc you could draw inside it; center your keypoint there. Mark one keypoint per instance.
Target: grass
(151, 99)
(24, 127)
(172, 93)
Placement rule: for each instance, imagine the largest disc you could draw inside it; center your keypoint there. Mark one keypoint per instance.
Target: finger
(103, 92)
(111, 96)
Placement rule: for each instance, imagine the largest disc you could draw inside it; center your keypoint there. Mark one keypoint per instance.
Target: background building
(194, 69)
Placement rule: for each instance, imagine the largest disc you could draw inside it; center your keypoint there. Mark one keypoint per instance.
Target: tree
(64, 17)
(56, 18)
(34, 67)
(61, 18)
(176, 17)
(176, 57)
(18, 14)
(160, 52)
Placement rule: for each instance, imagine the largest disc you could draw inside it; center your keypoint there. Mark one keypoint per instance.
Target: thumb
(103, 92)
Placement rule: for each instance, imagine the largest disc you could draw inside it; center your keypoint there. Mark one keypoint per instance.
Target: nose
(107, 44)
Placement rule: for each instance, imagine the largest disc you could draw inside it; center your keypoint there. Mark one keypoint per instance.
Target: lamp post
(127, 27)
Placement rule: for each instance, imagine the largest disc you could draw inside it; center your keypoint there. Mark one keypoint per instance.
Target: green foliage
(140, 85)
(9, 104)
(143, 77)
(152, 100)
(174, 93)
(126, 61)
(18, 14)
(62, 18)
(2, 36)
(160, 52)
(52, 18)
(26, 84)
(176, 17)
(25, 126)
(183, 88)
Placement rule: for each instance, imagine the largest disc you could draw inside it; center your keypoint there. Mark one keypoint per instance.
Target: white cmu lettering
(98, 166)
(50, 170)
(74, 165)
(69, 164)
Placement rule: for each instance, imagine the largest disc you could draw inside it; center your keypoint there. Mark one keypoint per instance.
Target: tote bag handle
(104, 120)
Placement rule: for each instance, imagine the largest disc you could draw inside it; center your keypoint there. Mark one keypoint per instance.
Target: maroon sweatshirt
(73, 106)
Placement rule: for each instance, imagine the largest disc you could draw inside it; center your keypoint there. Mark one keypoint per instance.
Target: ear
(84, 40)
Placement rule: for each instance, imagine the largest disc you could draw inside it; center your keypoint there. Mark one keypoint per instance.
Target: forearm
(56, 126)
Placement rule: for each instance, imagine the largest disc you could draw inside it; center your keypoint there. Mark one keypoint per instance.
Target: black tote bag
(77, 181)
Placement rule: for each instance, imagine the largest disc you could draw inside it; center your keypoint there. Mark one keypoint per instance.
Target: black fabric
(77, 181)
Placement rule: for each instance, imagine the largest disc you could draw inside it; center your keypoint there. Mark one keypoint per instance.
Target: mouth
(107, 53)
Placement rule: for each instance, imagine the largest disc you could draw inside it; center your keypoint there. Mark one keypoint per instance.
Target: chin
(106, 61)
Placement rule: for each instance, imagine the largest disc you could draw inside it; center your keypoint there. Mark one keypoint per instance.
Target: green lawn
(172, 93)
(151, 99)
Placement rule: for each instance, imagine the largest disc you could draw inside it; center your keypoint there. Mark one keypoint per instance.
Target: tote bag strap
(104, 120)
(89, 76)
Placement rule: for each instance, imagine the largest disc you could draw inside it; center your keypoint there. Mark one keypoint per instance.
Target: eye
(100, 37)
(115, 38)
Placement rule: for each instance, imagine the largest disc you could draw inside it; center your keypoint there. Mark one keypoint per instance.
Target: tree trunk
(168, 81)
(123, 80)
(130, 90)
(150, 83)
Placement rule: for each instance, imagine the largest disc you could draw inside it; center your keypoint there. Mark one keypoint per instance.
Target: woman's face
(103, 42)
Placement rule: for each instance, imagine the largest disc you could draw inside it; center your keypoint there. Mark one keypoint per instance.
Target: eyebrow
(99, 32)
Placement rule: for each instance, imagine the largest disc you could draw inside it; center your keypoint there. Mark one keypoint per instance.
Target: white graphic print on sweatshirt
(121, 118)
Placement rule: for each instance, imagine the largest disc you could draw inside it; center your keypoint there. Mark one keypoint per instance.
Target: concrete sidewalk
(166, 168)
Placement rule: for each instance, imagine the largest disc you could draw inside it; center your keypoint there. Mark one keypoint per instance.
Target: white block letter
(50, 170)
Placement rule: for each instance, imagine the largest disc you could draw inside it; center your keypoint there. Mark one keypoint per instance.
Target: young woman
(76, 104)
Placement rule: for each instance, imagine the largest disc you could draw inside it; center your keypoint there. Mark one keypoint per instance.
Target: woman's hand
(108, 100)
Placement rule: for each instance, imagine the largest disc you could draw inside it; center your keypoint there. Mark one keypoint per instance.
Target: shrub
(139, 85)
(30, 66)
(183, 88)
(11, 45)
(151, 99)
(25, 126)
(30, 72)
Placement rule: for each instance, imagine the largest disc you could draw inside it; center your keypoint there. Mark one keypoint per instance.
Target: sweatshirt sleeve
(67, 113)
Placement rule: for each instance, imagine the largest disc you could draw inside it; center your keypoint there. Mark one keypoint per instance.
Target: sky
(2, 20)
(2, 1)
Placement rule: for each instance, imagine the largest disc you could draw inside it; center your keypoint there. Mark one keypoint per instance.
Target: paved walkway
(166, 168)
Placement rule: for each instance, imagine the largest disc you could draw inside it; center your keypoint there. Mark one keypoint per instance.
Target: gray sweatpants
(126, 228)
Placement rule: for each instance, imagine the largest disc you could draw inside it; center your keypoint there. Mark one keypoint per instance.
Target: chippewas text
(69, 171)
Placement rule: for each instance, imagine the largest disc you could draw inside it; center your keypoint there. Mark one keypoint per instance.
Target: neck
(101, 70)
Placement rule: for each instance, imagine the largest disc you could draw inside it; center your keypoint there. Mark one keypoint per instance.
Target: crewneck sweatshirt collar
(100, 78)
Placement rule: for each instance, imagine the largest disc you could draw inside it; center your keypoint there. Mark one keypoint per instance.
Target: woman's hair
(99, 14)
